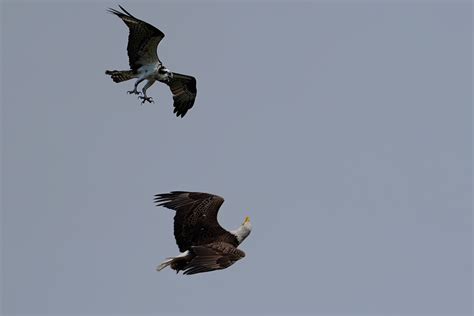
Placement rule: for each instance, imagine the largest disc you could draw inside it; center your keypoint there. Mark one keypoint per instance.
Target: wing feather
(195, 222)
(183, 88)
(214, 256)
(143, 40)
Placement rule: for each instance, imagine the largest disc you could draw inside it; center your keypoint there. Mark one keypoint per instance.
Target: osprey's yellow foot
(146, 99)
(134, 91)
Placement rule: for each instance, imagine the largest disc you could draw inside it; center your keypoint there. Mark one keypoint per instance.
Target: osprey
(144, 63)
(204, 244)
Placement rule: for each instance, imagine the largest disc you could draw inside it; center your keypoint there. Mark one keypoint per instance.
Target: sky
(342, 128)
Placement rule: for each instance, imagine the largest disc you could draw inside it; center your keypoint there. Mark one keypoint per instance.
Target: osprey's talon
(133, 92)
(146, 99)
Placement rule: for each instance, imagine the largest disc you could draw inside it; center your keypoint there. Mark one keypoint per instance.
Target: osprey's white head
(164, 74)
(243, 231)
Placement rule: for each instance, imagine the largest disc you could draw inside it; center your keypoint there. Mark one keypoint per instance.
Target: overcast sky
(343, 129)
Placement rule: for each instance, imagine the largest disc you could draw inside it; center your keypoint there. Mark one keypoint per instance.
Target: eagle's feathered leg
(135, 91)
(145, 87)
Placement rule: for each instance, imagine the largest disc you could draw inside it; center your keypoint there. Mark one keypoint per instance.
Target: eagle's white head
(164, 74)
(243, 231)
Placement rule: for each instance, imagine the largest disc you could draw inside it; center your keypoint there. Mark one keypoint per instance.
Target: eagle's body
(204, 244)
(144, 63)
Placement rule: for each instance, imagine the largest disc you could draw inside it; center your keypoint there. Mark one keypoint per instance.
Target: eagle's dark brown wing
(183, 88)
(195, 222)
(214, 256)
(143, 40)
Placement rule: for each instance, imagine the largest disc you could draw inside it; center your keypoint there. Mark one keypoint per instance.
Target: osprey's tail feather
(120, 75)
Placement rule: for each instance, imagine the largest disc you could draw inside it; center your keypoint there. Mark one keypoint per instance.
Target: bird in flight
(204, 245)
(143, 40)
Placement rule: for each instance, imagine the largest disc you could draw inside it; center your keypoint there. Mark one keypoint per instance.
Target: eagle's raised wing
(143, 40)
(214, 256)
(195, 222)
(183, 88)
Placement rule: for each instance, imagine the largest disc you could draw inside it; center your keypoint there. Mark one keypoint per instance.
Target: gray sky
(342, 129)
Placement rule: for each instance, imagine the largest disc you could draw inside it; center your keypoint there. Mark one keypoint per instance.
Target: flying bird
(204, 245)
(143, 41)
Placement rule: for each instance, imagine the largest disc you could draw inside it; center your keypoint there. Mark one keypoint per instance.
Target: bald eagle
(204, 244)
(143, 41)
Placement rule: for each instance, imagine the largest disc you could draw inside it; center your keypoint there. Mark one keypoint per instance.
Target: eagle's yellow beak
(247, 219)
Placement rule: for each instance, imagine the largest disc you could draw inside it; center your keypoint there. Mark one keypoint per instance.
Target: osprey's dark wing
(143, 40)
(214, 256)
(183, 88)
(195, 222)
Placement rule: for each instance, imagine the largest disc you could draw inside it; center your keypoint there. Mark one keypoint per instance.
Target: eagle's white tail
(170, 260)
(164, 264)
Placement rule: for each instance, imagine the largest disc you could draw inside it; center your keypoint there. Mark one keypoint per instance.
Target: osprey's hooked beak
(247, 219)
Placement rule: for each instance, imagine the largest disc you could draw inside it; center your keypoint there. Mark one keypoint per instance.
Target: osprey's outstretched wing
(143, 40)
(214, 256)
(195, 222)
(183, 88)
